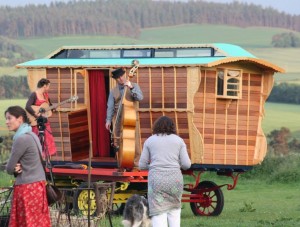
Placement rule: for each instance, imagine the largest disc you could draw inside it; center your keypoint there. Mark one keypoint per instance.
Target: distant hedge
(285, 93)
(13, 87)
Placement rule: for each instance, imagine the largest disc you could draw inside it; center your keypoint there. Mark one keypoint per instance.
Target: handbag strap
(41, 159)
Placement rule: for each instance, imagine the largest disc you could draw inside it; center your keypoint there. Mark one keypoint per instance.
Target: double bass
(126, 151)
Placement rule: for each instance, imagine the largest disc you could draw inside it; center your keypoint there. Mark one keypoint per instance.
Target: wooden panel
(79, 134)
(145, 85)
(147, 120)
(229, 127)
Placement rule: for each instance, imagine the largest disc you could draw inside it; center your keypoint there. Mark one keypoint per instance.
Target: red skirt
(48, 140)
(30, 206)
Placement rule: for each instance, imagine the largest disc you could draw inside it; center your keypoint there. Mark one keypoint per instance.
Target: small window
(104, 54)
(195, 52)
(138, 53)
(165, 53)
(229, 83)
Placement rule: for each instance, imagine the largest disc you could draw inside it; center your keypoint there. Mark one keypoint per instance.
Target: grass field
(251, 203)
(279, 115)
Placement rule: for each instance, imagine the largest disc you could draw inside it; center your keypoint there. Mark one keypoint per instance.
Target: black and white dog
(136, 213)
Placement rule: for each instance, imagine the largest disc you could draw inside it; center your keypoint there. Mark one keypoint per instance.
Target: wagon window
(139, 53)
(199, 52)
(165, 53)
(104, 53)
(229, 84)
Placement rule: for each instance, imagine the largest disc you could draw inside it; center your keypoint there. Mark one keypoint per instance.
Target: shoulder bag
(53, 193)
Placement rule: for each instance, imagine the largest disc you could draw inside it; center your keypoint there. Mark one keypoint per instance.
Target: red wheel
(213, 201)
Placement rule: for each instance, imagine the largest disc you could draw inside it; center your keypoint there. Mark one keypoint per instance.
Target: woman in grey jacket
(29, 204)
(164, 154)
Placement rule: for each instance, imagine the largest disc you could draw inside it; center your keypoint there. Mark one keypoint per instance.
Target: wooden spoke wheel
(212, 201)
(84, 203)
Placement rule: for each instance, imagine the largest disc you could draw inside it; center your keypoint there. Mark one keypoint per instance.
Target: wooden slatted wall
(228, 127)
(165, 93)
(64, 84)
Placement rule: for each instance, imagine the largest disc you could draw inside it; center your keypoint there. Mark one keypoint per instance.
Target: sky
(287, 6)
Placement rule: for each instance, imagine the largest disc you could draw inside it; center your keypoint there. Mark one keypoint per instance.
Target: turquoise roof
(233, 50)
(225, 53)
(116, 62)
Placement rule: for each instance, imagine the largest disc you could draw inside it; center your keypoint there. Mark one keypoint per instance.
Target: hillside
(128, 18)
(257, 40)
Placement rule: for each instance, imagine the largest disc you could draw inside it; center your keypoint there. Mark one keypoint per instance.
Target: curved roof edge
(145, 62)
(254, 60)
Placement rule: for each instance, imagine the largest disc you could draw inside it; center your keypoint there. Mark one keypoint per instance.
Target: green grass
(193, 33)
(287, 58)
(279, 115)
(275, 205)
(42, 47)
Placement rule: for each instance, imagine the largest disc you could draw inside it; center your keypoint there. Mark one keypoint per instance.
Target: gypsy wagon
(215, 93)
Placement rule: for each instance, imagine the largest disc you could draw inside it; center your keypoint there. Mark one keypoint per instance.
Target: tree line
(285, 93)
(11, 53)
(286, 39)
(14, 87)
(126, 18)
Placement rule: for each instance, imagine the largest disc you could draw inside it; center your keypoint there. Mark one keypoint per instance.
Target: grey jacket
(135, 93)
(25, 151)
(164, 152)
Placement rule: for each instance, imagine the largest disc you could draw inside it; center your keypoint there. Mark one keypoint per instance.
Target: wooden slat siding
(256, 103)
(164, 89)
(181, 117)
(63, 150)
(228, 127)
(181, 90)
(79, 134)
(231, 129)
(210, 108)
(61, 134)
(145, 85)
(62, 88)
(156, 88)
(65, 87)
(80, 88)
(169, 84)
(261, 141)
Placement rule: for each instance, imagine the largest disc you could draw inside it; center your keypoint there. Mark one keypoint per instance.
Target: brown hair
(17, 111)
(164, 125)
(43, 82)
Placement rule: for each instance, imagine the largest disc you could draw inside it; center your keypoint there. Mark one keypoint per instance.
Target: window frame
(224, 86)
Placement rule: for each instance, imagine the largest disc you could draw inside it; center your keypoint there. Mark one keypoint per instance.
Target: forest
(127, 18)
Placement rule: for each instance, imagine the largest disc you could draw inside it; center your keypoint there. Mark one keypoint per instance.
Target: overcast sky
(288, 6)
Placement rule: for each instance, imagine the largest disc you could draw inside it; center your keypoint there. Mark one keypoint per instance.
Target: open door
(98, 87)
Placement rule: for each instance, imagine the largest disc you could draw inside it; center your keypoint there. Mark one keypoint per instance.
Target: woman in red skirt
(37, 99)
(29, 204)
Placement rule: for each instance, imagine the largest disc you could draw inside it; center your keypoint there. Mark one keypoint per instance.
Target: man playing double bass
(133, 93)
